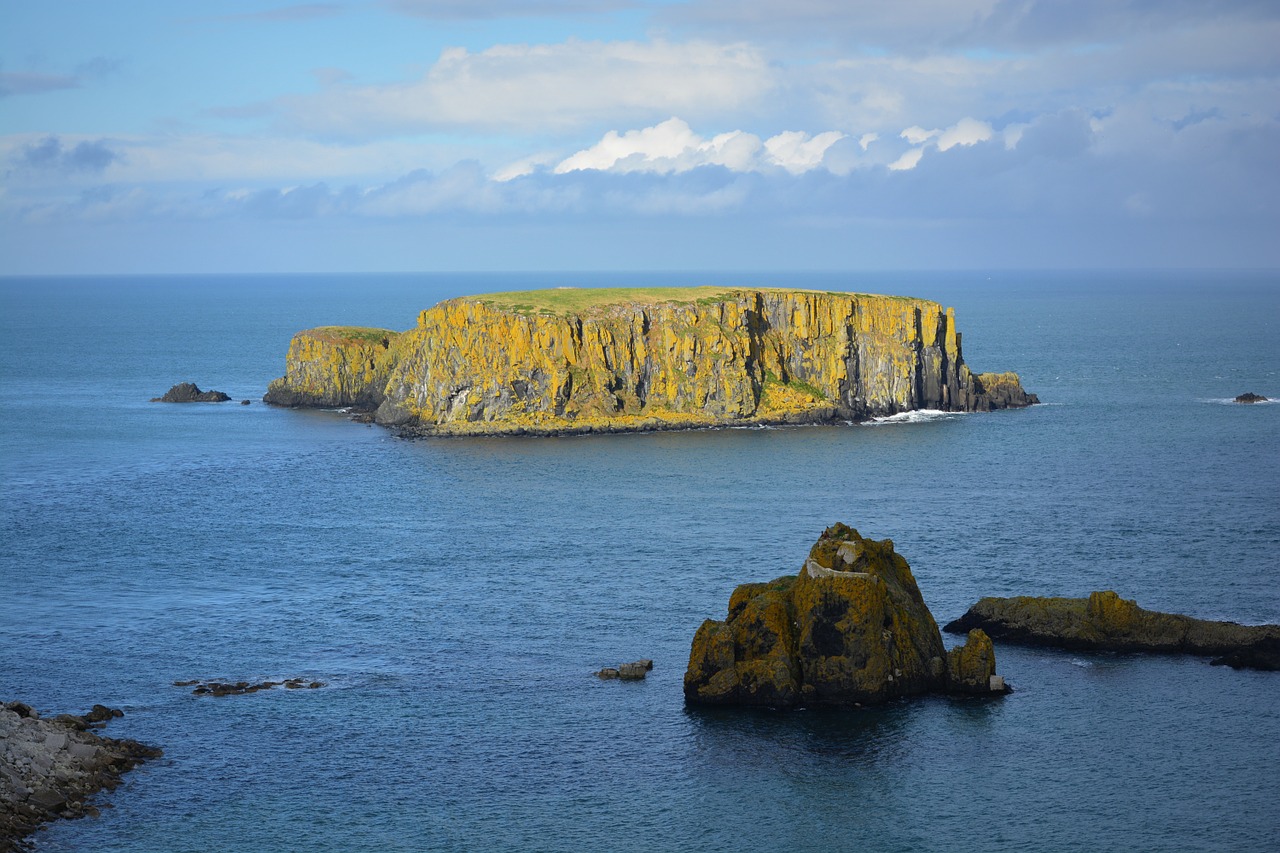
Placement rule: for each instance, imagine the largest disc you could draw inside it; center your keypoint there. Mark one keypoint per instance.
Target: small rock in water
(189, 392)
(627, 671)
(1250, 397)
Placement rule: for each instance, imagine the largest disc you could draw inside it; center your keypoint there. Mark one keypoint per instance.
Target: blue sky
(141, 136)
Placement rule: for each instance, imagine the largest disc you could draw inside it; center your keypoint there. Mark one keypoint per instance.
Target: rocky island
(1106, 622)
(624, 359)
(851, 629)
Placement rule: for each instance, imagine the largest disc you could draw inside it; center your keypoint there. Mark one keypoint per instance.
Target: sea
(456, 595)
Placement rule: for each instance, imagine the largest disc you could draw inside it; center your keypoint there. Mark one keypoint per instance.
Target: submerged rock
(1106, 622)
(189, 392)
(1250, 397)
(850, 629)
(50, 768)
(239, 688)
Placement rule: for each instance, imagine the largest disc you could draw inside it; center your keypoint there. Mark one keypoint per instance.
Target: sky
(144, 136)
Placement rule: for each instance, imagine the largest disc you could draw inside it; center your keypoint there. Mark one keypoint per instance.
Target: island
(850, 630)
(1106, 622)
(580, 360)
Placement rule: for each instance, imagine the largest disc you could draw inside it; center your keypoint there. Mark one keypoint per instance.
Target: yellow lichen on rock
(851, 628)
(336, 366)
(646, 359)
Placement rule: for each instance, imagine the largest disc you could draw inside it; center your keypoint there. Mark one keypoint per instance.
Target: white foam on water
(918, 416)
(1230, 401)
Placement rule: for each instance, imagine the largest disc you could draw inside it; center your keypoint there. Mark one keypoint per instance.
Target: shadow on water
(862, 737)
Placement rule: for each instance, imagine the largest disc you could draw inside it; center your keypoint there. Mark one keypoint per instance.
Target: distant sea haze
(454, 596)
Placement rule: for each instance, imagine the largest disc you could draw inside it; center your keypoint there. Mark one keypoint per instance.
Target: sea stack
(615, 360)
(850, 630)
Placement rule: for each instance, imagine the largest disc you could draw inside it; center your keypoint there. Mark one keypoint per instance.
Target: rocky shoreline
(51, 768)
(1106, 622)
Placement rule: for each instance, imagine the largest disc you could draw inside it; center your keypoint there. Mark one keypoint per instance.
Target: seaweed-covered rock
(189, 392)
(850, 629)
(1106, 622)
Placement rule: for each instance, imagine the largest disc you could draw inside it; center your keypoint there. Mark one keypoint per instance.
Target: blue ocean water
(456, 594)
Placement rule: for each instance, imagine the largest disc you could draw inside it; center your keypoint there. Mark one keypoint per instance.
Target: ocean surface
(456, 594)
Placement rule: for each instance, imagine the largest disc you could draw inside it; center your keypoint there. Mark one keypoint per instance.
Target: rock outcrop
(1106, 622)
(189, 392)
(335, 367)
(851, 629)
(1250, 397)
(617, 360)
(49, 768)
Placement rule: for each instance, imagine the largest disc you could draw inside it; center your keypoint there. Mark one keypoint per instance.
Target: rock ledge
(1106, 622)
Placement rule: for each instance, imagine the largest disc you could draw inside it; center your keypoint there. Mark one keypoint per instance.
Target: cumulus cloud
(543, 87)
(672, 146)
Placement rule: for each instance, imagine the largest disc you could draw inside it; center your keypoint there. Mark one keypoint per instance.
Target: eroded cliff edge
(632, 359)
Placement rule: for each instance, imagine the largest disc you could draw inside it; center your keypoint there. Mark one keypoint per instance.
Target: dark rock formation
(1106, 622)
(1250, 397)
(49, 769)
(189, 392)
(851, 629)
(238, 688)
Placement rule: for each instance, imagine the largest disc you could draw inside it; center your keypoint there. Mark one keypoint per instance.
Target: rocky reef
(1250, 397)
(851, 629)
(569, 360)
(49, 768)
(189, 392)
(1106, 622)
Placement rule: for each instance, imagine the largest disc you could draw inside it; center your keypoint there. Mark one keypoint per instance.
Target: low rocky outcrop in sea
(1106, 622)
(1250, 397)
(51, 768)
(850, 630)
(215, 687)
(634, 671)
(615, 360)
(189, 392)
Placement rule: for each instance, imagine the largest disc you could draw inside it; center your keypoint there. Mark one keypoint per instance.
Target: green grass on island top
(572, 300)
(353, 333)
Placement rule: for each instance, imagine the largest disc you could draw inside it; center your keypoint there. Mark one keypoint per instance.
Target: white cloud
(673, 147)
(967, 131)
(907, 160)
(865, 140)
(918, 135)
(544, 87)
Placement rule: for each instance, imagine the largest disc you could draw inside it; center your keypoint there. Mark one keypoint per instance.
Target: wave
(919, 416)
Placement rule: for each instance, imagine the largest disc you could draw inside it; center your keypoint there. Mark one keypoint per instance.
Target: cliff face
(850, 629)
(335, 366)
(484, 365)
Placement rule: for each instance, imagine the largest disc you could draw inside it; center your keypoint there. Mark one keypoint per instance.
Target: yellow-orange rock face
(475, 365)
